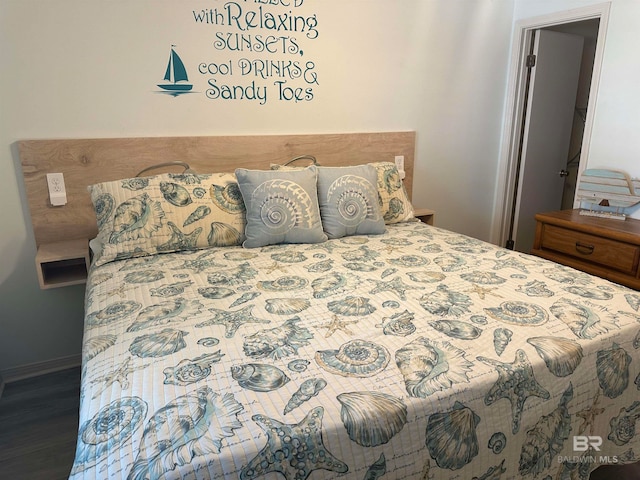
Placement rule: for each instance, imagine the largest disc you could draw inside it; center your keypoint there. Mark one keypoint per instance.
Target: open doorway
(521, 196)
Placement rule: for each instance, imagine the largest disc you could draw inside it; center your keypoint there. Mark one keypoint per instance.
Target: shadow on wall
(35, 325)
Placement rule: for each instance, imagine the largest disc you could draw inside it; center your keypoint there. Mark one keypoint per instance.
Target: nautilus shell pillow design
(349, 203)
(396, 206)
(166, 213)
(282, 206)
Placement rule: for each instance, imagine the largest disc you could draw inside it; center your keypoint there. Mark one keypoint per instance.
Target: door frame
(508, 172)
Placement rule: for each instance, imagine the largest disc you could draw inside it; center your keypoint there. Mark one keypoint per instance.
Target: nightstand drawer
(604, 251)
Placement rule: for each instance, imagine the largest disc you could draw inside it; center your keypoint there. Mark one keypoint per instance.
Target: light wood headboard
(84, 162)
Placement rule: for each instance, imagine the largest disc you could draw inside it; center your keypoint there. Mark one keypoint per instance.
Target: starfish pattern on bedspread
(232, 320)
(516, 383)
(294, 450)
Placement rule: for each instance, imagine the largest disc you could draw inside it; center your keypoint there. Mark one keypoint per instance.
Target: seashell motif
(208, 342)
(323, 266)
(112, 313)
(351, 306)
(103, 206)
(216, 292)
(426, 277)
(451, 437)
(495, 473)
(497, 442)
(137, 183)
(198, 214)
(360, 267)
(612, 367)
(545, 440)
(357, 358)
(94, 346)
(188, 178)
(535, 288)
(396, 209)
(349, 196)
(286, 306)
(175, 194)
(113, 425)
(501, 338)
(138, 217)
(519, 313)
(191, 371)
(583, 321)
(298, 365)
(277, 342)
(199, 192)
(309, 389)
(457, 329)
(399, 324)
(450, 262)
(483, 278)
(233, 276)
(158, 344)
(390, 304)
(289, 257)
(410, 261)
(332, 283)
(429, 366)
(387, 272)
(163, 313)
(591, 293)
(178, 240)
(259, 377)
(377, 469)
(244, 298)
(283, 284)
(191, 425)
(223, 235)
(360, 254)
(170, 290)
(633, 300)
(561, 355)
(623, 427)
(228, 197)
(144, 276)
(443, 302)
(478, 319)
(283, 205)
(372, 418)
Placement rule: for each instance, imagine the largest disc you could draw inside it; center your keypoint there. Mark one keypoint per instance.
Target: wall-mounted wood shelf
(63, 263)
(425, 215)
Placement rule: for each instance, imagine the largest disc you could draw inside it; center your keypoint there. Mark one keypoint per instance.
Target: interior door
(547, 129)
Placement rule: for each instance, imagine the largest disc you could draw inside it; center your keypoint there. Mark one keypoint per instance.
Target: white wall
(88, 68)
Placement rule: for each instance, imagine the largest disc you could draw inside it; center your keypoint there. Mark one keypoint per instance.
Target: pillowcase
(166, 213)
(396, 206)
(348, 199)
(282, 206)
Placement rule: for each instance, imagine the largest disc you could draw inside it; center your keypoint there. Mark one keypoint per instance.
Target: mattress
(416, 354)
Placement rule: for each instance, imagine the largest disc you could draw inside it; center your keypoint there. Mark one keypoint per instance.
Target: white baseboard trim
(39, 368)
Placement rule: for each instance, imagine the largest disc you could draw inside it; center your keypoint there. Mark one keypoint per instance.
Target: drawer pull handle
(584, 249)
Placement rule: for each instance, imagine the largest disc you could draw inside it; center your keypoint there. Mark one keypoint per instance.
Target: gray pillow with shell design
(166, 213)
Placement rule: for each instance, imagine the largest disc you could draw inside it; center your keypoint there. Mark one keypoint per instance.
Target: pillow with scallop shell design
(396, 206)
(166, 213)
(282, 206)
(349, 201)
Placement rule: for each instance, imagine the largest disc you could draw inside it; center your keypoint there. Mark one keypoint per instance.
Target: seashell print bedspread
(416, 354)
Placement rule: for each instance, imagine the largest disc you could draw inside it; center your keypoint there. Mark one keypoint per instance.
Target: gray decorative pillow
(396, 206)
(349, 201)
(282, 206)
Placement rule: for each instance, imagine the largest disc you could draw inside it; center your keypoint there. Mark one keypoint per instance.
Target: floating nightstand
(425, 215)
(63, 263)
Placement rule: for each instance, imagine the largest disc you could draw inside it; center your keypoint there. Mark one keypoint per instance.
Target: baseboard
(39, 368)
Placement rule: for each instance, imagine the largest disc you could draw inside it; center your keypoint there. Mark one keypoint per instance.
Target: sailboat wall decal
(175, 73)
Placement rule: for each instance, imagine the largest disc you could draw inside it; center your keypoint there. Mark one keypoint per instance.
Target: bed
(393, 349)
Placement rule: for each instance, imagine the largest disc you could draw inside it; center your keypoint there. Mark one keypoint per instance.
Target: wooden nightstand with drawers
(605, 247)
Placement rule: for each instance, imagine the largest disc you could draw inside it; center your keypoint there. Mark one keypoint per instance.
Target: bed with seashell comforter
(413, 353)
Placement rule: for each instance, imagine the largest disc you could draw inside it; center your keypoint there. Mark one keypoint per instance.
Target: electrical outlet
(57, 191)
(400, 165)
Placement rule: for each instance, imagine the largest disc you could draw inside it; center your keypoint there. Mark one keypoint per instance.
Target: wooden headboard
(84, 162)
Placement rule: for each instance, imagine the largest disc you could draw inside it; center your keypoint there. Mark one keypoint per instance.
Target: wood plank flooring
(39, 424)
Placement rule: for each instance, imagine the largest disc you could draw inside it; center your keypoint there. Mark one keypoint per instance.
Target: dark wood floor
(39, 423)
